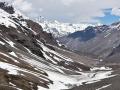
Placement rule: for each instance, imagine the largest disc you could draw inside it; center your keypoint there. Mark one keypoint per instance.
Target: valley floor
(112, 83)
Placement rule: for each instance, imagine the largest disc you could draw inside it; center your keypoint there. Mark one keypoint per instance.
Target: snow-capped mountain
(59, 29)
(31, 60)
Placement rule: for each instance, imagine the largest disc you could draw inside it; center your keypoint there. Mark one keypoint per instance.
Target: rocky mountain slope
(101, 41)
(31, 60)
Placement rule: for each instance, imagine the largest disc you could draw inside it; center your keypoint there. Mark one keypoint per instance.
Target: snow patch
(104, 87)
(5, 20)
(100, 68)
(13, 54)
(2, 43)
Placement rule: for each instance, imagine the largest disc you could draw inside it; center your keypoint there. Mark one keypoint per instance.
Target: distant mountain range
(102, 41)
(59, 29)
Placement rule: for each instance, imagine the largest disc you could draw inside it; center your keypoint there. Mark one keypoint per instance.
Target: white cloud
(68, 2)
(115, 11)
(69, 10)
(23, 5)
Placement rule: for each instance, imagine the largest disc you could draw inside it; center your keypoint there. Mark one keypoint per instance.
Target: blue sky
(73, 11)
(108, 18)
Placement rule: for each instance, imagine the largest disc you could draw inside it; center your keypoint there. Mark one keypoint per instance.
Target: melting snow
(13, 54)
(10, 68)
(41, 88)
(10, 43)
(14, 86)
(2, 43)
(63, 81)
(104, 87)
(57, 54)
(5, 20)
(100, 68)
(9, 57)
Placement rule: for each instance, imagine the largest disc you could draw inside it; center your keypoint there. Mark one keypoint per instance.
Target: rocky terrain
(30, 59)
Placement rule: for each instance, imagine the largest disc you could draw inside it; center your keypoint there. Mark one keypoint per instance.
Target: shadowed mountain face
(84, 35)
(89, 33)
